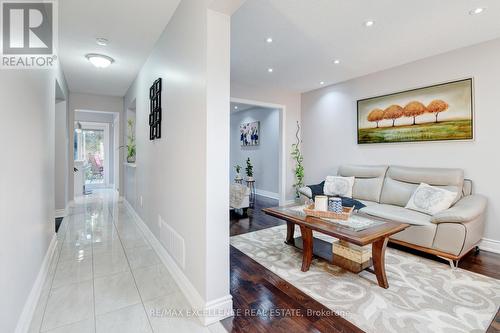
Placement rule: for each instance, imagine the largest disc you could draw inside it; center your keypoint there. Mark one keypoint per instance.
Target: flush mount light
(322, 83)
(236, 108)
(369, 23)
(99, 60)
(101, 41)
(270, 70)
(476, 11)
(269, 40)
(336, 61)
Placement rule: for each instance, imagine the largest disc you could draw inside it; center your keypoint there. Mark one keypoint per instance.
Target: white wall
(291, 101)
(329, 118)
(27, 121)
(265, 156)
(78, 101)
(182, 177)
(61, 143)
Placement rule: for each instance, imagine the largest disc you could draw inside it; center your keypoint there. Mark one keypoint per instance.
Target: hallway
(105, 277)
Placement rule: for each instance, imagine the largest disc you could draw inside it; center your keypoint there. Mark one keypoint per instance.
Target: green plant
(237, 167)
(249, 168)
(131, 139)
(299, 168)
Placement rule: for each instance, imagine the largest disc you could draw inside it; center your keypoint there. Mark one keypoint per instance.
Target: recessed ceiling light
(236, 108)
(322, 83)
(476, 11)
(336, 61)
(269, 40)
(99, 60)
(369, 23)
(270, 70)
(101, 41)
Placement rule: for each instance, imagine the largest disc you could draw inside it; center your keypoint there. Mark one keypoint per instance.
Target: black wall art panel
(155, 110)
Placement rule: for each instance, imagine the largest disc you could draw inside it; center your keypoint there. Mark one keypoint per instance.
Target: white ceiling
(132, 27)
(237, 107)
(309, 34)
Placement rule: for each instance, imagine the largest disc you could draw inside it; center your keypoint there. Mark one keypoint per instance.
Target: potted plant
(131, 142)
(249, 170)
(238, 170)
(299, 168)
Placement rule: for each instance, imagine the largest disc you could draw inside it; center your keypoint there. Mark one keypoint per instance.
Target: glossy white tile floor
(106, 278)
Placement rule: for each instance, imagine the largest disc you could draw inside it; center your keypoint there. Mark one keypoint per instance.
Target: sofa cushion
(397, 214)
(401, 182)
(368, 180)
(421, 235)
(368, 202)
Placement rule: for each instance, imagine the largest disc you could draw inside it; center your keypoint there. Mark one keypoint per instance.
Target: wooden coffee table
(377, 236)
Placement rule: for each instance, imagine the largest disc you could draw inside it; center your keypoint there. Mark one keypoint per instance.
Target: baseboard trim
(60, 213)
(24, 321)
(210, 312)
(217, 310)
(267, 194)
(64, 211)
(490, 245)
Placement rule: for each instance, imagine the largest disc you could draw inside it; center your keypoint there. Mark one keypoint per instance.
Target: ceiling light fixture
(369, 23)
(269, 40)
(336, 61)
(99, 60)
(322, 83)
(236, 108)
(270, 70)
(476, 11)
(101, 41)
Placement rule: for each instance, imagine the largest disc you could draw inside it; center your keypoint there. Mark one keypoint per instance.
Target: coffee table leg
(307, 252)
(378, 254)
(290, 229)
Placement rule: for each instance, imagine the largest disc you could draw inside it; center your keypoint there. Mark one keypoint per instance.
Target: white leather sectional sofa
(385, 190)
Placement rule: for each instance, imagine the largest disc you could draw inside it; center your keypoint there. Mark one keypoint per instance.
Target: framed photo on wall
(250, 134)
(435, 113)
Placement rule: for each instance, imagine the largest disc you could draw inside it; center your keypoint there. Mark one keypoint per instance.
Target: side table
(251, 186)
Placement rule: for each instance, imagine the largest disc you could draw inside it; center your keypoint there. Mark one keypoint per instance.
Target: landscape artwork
(249, 134)
(435, 113)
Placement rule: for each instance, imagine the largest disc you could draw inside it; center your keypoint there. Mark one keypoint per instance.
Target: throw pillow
(317, 189)
(350, 202)
(430, 199)
(339, 186)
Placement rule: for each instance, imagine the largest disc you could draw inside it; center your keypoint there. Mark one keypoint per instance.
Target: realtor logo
(27, 34)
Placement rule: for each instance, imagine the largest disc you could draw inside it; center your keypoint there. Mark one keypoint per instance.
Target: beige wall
(182, 177)
(27, 131)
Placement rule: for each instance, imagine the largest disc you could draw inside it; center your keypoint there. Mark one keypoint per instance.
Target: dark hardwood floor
(58, 221)
(263, 302)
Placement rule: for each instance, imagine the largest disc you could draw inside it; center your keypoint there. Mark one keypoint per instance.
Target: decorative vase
(238, 177)
(250, 179)
(131, 159)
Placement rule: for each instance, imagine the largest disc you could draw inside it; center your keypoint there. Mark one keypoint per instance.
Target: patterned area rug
(423, 295)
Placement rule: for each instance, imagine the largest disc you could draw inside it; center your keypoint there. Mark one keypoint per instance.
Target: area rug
(423, 295)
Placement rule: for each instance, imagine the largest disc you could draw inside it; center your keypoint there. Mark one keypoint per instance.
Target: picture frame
(250, 134)
(440, 112)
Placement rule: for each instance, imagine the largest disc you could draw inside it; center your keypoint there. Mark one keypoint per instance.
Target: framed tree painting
(250, 134)
(435, 113)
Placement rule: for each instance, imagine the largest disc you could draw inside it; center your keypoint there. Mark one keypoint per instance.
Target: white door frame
(116, 152)
(283, 154)
(105, 127)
